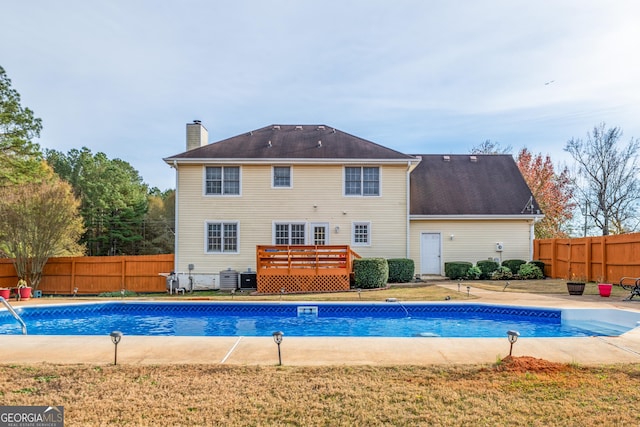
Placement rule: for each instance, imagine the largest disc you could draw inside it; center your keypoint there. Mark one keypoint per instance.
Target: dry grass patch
(515, 391)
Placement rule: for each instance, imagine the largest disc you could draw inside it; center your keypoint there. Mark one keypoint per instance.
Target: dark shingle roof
(489, 185)
(293, 142)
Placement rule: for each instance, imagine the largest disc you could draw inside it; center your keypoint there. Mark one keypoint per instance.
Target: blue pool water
(388, 319)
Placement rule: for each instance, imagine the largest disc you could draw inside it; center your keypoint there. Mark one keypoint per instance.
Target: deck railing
(303, 268)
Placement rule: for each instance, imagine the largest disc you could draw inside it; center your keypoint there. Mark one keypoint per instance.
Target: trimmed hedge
(457, 269)
(401, 270)
(370, 272)
(487, 267)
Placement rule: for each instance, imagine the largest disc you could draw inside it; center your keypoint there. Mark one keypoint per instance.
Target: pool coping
(320, 351)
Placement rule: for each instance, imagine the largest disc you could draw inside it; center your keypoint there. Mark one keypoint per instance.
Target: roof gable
(314, 142)
(482, 184)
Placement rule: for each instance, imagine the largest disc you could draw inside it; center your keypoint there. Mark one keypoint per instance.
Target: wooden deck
(303, 268)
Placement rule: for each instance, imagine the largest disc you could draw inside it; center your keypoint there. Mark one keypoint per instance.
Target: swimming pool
(384, 319)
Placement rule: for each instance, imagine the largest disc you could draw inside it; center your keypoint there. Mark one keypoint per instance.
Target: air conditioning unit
(499, 247)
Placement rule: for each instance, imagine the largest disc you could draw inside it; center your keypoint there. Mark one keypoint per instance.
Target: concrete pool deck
(317, 351)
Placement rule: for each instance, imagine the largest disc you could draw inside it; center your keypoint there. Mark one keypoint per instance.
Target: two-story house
(317, 185)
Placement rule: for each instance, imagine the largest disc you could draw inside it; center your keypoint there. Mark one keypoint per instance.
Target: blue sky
(123, 77)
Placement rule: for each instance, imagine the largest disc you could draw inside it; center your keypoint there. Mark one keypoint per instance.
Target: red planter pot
(25, 293)
(604, 289)
(5, 293)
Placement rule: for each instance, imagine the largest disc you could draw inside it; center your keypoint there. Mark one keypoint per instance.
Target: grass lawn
(425, 291)
(514, 392)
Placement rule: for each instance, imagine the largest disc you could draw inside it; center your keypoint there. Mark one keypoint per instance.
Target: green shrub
(538, 264)
(530, 271)
(502, 273)
(400, 270)
(487, 267)
(370, 272)
(474, 272)
(513, 264)
(456, 269)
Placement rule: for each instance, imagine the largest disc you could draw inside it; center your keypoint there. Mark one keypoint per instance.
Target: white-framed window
(222, 181)
(281, 177)
(293, 233)
(362, 181)
(222, 237)
(361, 234)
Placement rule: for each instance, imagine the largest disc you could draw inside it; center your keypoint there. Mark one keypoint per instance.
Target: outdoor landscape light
(468, 291)
(513, 337)
(277, 338)
(359, 293)
(75, 292)
(116, 336)
(122, 293)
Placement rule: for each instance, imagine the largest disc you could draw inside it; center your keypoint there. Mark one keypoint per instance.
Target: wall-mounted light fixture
(337, 229)
(451, 237)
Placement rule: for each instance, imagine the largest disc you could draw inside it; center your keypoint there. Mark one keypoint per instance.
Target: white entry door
(430, 254)
(319, 233)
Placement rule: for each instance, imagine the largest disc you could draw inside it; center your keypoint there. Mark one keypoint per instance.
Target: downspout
(532, 236)
(408, 203)
(176, 222)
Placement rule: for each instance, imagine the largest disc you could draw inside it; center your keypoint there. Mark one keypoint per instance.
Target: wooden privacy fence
(603, 258)
(94, 275)
(303, 268)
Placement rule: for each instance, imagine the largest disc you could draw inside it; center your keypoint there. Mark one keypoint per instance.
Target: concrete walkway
(304, 351)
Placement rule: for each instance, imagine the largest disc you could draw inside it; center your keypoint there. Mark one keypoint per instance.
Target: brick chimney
(197, 135)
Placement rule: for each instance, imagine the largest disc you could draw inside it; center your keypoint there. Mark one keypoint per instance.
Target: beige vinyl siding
(473, 240)
(316, 196)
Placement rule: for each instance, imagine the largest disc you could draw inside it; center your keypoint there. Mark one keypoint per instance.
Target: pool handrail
(15, 315)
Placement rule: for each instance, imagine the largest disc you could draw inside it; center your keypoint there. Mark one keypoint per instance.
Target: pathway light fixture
(277, 338)
(116, 336)
(513, 337)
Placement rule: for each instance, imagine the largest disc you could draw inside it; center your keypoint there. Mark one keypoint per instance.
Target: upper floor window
(222, 180)
(362, 181)
(222, 237)
(282, 176)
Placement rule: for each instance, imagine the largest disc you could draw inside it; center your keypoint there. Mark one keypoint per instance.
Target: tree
(607, 178)
(20, 157)
(159, 223)
(39, 220)
(491, 147)
(552, 191)
(113, 199)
